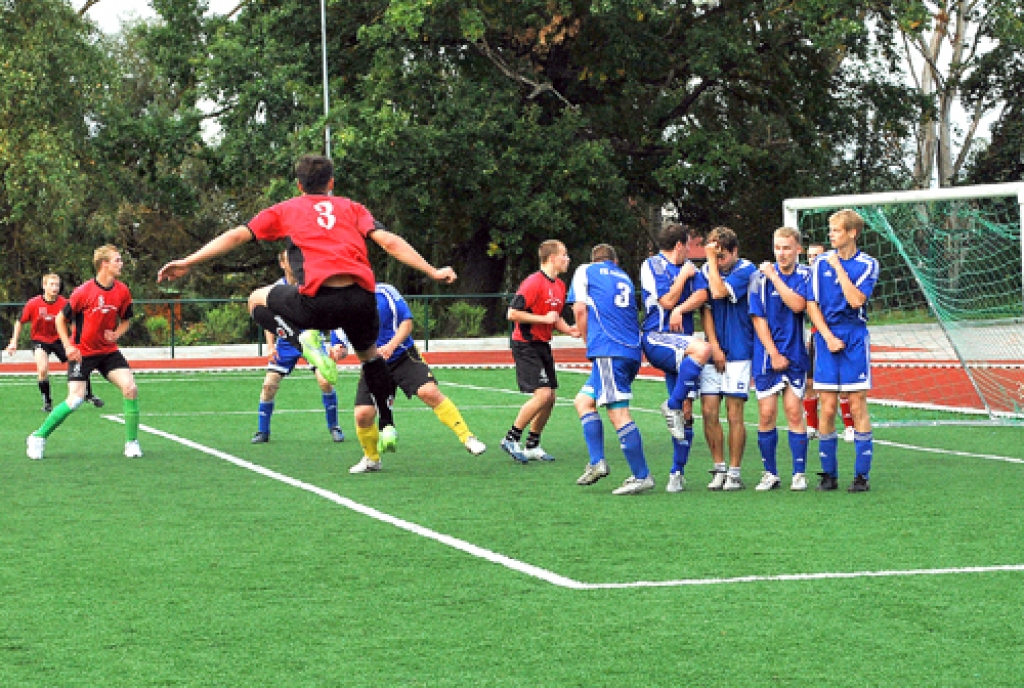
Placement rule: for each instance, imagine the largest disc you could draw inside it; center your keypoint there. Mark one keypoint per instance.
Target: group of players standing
(753, 322)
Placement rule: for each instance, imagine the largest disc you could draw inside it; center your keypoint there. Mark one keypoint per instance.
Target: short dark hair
(671, 234)
(314, 172)
(725, 237)
(549, 248)
(602, 253)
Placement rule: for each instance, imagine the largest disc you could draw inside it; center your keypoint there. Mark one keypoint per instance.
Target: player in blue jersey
(411, 375)
(604, 303)
(666, 283)
(841, 284)
(730, 334)
(777, 304)
(283, 358)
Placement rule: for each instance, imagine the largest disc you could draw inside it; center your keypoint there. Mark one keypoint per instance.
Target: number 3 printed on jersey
(325, 209)
(625, 297)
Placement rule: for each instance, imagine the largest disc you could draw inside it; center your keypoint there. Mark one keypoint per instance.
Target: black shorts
(79, 371)
(409, 373)
(535, 366)
(56, 348)
(351, 308)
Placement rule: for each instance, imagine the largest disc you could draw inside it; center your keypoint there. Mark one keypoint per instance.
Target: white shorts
(734, 382)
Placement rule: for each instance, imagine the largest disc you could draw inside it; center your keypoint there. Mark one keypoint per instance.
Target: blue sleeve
(700, 280)
(757, 288)
(739, 280)
(866, 282)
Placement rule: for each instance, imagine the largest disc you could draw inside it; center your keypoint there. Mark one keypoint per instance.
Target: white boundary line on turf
(535, 571)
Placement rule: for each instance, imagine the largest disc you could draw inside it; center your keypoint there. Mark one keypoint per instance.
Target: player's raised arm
(225, 243)
(402, 250)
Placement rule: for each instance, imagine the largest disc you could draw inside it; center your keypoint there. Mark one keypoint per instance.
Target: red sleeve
(26, 312)
(126, 302)
(266, 226)
(364, 220)
(75, 302)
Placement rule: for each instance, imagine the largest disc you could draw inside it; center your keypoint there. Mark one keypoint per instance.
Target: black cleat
(261, 438)
(47, 406)
(96, 401)
(337, 435)
(827, 483)
(859, 484)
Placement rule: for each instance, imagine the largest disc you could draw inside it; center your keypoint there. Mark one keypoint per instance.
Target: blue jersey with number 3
(613, 329)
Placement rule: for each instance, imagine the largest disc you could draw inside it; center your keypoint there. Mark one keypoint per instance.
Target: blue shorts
(848, 370)
(773, 382)
(611, 381)
(283, 362)
(666, 350)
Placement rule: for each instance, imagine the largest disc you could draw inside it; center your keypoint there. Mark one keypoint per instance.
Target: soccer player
(604, 303)
(777, 303)
(283, 358)
(41, 314)
(730, 333)
(666, 283)
(536, 311)
(841, 284)
(326, 238)
(410, 374)
(101, 311)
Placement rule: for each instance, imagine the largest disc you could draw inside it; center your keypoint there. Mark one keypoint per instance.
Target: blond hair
(848, 219)
(103, 254)
(548, 249)
(49, 276)
(789, 233)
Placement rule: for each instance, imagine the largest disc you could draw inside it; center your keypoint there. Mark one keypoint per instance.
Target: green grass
(182, 569)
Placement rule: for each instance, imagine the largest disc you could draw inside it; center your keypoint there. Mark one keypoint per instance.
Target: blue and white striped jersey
(613, 329)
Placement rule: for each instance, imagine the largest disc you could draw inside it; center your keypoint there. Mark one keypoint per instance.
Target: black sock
(533, 440)
(88, 389)
(266, 319)
(44, 389)
(382, 389)
(514, 434)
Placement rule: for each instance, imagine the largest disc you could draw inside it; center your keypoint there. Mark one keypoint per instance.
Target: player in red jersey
(536, 311)
(101, 312)
(326, 244)
(41, 314)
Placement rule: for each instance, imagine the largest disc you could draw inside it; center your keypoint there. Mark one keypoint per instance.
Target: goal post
(947, 314)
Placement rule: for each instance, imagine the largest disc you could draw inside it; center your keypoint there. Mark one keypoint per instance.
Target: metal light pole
(327, 102)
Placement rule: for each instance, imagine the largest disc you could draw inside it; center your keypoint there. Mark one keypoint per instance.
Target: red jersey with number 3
(539, 295)
(95, 309)
(42, 315)
(326, 237)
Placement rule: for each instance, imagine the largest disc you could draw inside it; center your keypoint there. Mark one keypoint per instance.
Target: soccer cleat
(674, 420)
(336, 434)
(733, 483)
(676, 482)
(848, 434)
(769, 481)
(261, 438)
(593, 473)
(827, 483)
(537, 454)
(132, 449)
(859, 484)
(365, 465)
(314, 350)
(36, 447)
(95, 401)
(799, 483)
(474, 446)
(47, 406)
(515, 450)
(633, 485)
(812, 434)
(718, 482)
(387, 441)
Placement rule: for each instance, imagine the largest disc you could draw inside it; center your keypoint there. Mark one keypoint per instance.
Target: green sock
(55, 418)
(131, 419)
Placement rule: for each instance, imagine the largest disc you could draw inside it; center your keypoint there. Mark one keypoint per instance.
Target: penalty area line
(535, 571)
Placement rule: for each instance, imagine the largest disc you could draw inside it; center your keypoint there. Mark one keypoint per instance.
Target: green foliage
(159, 330)
(462, 319)
(421, 312)
(227, 324)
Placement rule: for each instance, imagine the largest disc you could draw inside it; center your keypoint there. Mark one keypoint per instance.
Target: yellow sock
(449, 414)
(368, 441)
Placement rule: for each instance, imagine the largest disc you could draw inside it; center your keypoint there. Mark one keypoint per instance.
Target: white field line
(535, 571)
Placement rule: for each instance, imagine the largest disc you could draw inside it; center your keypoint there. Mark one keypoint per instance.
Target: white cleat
(732, 484)
(365, 465)
(812, 434)
(676, 482)
(632, 486)
(593, 473)
(848, 435)
(718, 482)
(799, 483)
(474, 446)
(36, 447)
(537, 454)
(132, 449)
(769, 481)
(675, 421)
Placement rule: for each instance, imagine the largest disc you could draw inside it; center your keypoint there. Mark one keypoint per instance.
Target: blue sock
(593, 435)
(768, 442)
(689, 372)
(864, 443)
(331, 409)
(798, 448)
(266, 410)
(633, 448)
(827, 446)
